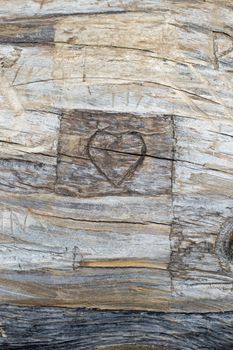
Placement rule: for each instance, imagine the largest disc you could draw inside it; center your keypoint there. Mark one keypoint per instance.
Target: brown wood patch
(113, 153)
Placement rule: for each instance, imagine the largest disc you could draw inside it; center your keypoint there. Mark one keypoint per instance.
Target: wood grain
(65, 244)
(69, 329)
(116, 158)
(106, 153)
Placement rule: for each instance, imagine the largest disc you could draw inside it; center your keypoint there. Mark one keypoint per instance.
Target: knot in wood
(224, 246)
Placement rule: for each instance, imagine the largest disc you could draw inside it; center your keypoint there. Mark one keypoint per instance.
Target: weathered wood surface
(91, 144)
(68, 329)
(116, 157)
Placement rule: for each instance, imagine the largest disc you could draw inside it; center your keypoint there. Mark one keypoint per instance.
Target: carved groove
(114, 146)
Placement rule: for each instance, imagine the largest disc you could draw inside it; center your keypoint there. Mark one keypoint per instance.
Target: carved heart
(116, 156)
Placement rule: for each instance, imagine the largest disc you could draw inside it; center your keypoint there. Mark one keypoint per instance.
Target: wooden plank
(66, 82)
(69, 329)
(128, 288)
(110, 208)
(31, 242)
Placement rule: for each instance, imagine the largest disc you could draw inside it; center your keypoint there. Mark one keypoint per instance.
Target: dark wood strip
(31, 31)
(36, 328)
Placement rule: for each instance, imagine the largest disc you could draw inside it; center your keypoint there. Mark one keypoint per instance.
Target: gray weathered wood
(71, 329)
(116, 157)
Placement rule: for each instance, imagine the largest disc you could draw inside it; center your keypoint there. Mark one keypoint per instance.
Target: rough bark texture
(116, 172)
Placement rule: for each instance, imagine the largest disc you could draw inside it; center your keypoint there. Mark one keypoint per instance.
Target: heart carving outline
(132, 168)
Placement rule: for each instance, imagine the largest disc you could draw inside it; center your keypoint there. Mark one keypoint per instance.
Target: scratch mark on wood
(139, 101)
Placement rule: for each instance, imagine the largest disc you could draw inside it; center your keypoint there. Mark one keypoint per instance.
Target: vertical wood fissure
(57, 151)
(173, 178)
